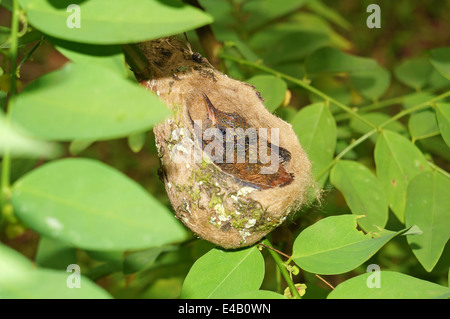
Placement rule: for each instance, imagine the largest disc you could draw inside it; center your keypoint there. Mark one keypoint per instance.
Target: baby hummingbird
(239, 150)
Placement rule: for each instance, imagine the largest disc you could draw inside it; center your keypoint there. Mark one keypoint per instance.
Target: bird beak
(210, 109)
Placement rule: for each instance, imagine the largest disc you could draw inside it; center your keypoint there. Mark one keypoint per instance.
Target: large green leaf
(316, 130)
(223, 274)
(333, 245)
(87, 102)
(393, 285)
(428, 206)
(113, 21)
(397, 161)
(20, 280)
(272, 90)
(440, 58)
(363, 193)
(443, 117)
(92, 206)
(330, 60)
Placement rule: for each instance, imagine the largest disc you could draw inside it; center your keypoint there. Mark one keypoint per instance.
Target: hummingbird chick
(234, 130)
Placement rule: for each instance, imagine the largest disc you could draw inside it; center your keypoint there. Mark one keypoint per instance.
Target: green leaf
(78, 146)
(428, 206)
(113, 21)
(100, 209)
(333, 245)
(416, 98)
(397, 161)
(54, 254)
(443, 117)
(440, 58)
(293, 46)
(393, 285)
(12, 264)
(414, 72)
(262, 11)
(329, 13)
(362, 192)
(223, 274)
(373, 83)
(423, 124)
(139, 260)
(137, 141)
(272, 89)
(258, 294)
(329, 60)
(316, 130)
(86, 102)
(332, 87)
(20, 280)
(19, 143)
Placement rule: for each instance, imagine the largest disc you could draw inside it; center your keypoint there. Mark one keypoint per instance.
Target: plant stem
(300, 83)
(283, 269)
(6, 162)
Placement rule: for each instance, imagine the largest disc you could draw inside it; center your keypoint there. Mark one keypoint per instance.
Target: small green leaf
(139, 260)
(55, 254)
(100, 209)
(423, 124)
(428, 206)
(261, 12)
(113, 21)
(272, 89)
(223, 274)
(414, 72)
(363, 193)
(443, 117)
(397, 161)
(440, 58)
(86, 102)
(78, 146)
(316, 130)
(136, 141)
(393, 285)
(329, 60)
(333, 245)
(416, 98)
(373, 83)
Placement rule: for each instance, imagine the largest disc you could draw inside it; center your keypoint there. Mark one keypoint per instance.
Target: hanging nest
(229, 204)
